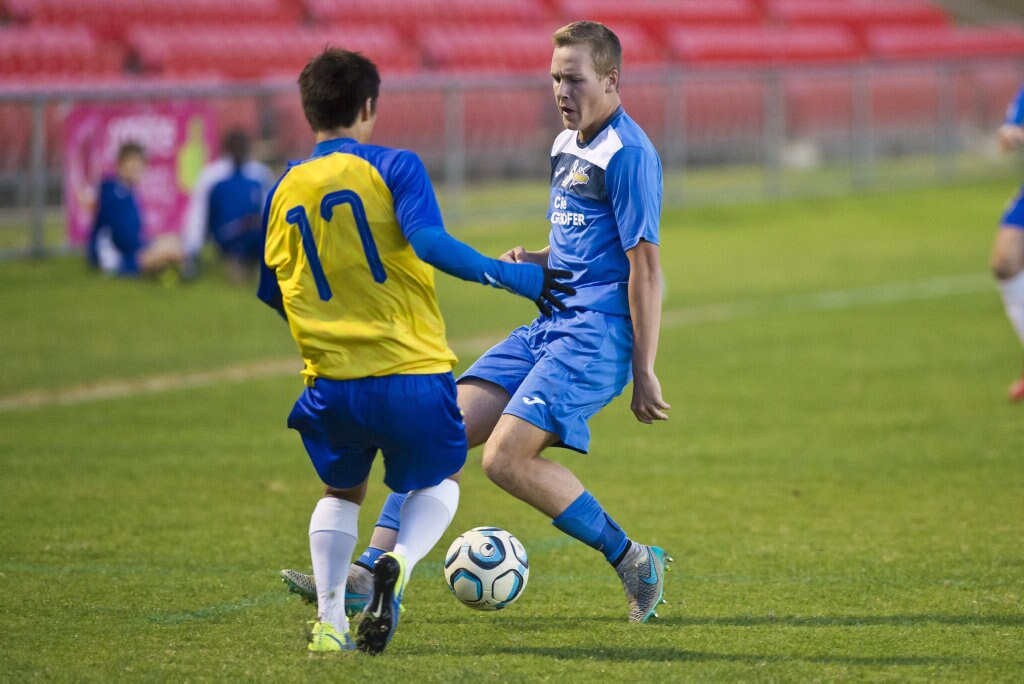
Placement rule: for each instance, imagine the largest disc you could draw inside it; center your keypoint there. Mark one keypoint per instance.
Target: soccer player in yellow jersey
(350, 237)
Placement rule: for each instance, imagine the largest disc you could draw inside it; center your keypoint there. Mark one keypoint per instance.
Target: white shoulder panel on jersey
(563, 139)
(599, 152)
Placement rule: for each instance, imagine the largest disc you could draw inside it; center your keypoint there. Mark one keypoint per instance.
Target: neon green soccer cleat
(325, 639)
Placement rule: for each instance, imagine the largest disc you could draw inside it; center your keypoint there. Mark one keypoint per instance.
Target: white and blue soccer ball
(486, 568)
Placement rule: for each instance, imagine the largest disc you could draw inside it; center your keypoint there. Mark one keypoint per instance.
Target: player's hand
(520, 255)
(553, 283)
(1010, 137)
(648, 404)
(516, 255)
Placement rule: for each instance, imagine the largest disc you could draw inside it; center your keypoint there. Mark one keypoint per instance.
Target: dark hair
(334, 86)
(236, 144)
(130, 149)
(605, 48)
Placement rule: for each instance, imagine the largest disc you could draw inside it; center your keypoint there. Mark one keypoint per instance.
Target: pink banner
(179, 138)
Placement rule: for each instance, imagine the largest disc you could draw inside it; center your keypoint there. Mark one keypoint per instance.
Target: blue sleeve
(442, 251)
(269, 292)
(633, 182)
(413, 195)
(1015, 112)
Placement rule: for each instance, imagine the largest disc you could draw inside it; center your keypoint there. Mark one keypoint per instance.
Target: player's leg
(333, 530)
(1008, 267)
(424, 451)
(359, 584)
(583, 366)
(163, 252)
(341, 450)
(512, 460)
(481, 402)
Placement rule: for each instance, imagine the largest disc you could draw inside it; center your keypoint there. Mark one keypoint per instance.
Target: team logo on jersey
(577, 175)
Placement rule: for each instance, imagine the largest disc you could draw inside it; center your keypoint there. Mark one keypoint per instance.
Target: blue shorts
(560, 371)
(1013, 217)
(413, 419)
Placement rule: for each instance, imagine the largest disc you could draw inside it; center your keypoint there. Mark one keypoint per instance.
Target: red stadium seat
(765, 46)
(112, 19)
(942, 42)
(54, 50)
(410, 17)
(471, 48)
(658, 15)
(857, 15)
(267, 51)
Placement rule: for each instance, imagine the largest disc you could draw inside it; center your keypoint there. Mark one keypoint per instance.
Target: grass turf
(840, 482)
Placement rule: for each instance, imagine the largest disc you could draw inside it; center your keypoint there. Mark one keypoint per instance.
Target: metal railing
(724, 134)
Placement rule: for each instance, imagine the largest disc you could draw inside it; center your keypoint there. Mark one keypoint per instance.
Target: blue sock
(369, 557)
(388, 518)
(585, 520)
(390, 511)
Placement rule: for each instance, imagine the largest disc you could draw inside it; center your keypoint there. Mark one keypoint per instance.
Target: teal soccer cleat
(301, 584)
(642, 572)
(357, 588)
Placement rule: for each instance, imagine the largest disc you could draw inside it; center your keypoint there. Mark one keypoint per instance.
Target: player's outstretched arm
(645, 310)
(537, 283)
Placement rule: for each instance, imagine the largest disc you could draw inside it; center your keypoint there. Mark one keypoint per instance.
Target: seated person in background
(227, 205)
(117, 245)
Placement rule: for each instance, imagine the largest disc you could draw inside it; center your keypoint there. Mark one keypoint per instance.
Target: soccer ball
(486, 568)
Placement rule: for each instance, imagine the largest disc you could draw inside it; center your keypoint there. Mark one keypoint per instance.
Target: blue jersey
(235, 210)
(605, 199)
(227, 199)
(1015, 112)
(118, 225)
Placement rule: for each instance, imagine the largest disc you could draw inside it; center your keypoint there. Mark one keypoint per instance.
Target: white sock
(333, 529)
(425, 516)
(1012, 290)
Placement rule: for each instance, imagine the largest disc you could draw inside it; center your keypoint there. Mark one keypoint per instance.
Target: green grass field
(841, 482)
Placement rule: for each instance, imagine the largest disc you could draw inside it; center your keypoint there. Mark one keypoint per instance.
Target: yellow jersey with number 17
(338, 265)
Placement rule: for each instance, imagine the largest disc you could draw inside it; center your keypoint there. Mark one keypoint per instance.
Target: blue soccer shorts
(413, 420)
(1013, 217)
(560, 371)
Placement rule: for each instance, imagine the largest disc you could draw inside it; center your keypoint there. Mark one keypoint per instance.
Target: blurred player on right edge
(1008, 250)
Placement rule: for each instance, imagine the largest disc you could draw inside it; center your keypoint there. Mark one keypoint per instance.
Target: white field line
(828, 300)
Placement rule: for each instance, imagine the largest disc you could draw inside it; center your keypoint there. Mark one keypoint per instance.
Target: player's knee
(1004, 267)
(498, 467)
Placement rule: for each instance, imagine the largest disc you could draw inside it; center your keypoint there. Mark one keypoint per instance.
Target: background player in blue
(541, 385)
(349, 236)
(226, 205)
(117, 242)
(1008, 250)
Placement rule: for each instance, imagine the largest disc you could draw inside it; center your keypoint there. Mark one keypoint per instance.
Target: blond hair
(605, 48)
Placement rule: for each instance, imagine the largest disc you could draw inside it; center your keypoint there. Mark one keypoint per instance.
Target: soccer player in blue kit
(540, 386)
(350, 237)
(1008, 250)
(117, 242)
(227, 205)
